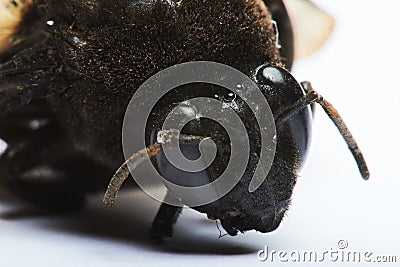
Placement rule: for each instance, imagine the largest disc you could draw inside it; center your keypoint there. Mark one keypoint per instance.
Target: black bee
(68, 69)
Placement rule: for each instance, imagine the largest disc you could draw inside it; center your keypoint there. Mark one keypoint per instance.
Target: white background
(358, 72)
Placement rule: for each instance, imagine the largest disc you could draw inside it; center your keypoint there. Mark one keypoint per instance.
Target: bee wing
(311, 26)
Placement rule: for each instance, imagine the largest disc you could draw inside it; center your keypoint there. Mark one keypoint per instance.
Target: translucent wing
(311, 26)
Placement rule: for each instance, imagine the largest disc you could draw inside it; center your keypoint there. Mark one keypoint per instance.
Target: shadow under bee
(127, 223)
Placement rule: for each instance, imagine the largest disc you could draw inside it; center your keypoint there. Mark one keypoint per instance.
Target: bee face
(239, 209)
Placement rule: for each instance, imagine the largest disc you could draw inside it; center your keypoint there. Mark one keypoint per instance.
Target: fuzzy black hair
(151, 38)
(114, 46)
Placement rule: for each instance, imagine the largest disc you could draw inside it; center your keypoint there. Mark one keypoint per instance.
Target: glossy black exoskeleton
(69, 68)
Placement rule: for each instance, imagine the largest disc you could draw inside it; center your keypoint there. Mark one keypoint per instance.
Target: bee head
(241, 209)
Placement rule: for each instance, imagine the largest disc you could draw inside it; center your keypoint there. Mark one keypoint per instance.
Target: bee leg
(166, 217)
(40, 164)
(54, 181)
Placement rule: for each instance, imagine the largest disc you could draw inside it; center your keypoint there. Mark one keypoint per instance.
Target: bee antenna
(163, 137)
(123, 172)
(313, 97)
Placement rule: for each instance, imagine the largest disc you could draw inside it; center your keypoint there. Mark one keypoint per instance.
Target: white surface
(358, 72)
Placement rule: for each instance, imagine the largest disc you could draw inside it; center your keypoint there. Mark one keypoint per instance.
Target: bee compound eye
(279, 83)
